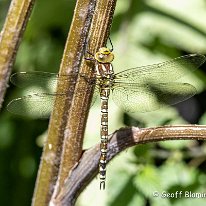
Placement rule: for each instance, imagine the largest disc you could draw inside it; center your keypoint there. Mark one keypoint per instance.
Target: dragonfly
(143, 89)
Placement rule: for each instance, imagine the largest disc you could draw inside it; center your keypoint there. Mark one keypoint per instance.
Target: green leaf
(148, 181)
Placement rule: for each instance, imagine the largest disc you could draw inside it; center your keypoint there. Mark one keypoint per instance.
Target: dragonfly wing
(41, 79)
(45, 80)
(39, 105)
(33, 106)
(42, 86)
(173, 69)
(145, 98)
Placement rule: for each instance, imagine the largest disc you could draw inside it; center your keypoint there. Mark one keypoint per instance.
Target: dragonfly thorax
(104, 82)
(104, 75)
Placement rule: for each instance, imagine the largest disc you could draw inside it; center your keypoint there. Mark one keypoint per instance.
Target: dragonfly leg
(89, 58)
(88, 52)
(111, 44)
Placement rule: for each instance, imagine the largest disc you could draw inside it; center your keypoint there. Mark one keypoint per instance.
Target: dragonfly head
(104, 55)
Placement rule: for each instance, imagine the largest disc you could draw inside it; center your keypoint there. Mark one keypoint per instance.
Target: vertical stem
(66, 130)
(65, 136)
(10, 37)
(77, 116)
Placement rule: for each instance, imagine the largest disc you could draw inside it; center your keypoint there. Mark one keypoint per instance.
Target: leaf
(148, 181)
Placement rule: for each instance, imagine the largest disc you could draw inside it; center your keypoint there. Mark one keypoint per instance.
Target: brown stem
(63, 149)
(87, 167)
(11, 34)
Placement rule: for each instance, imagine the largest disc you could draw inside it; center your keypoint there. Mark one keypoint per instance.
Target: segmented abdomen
(104, 95)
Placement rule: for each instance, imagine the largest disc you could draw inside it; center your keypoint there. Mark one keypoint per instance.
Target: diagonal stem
(120, 140)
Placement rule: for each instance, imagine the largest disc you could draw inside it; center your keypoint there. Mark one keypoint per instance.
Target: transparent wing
(38, 82)
(38, 105)
(46, 80)
(25, 79)
(146, 97)
(33, 106)
(162, 72)
(42, 86)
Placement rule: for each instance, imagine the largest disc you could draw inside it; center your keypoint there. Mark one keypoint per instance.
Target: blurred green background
(143, 32)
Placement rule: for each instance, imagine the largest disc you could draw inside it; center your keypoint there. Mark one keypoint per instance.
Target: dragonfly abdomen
(104, 95)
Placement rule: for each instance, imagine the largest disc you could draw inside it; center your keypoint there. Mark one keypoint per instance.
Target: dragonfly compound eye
(104, 50)
(104, 55)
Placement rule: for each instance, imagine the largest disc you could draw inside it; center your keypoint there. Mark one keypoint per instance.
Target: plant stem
(10, 38)
(120, 140)
(63, 149)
